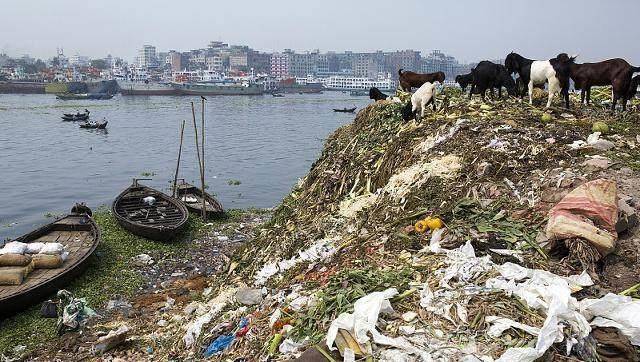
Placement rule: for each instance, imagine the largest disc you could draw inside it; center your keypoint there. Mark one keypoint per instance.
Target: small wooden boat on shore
(345, 110)
(277, 95)
(94, 125)
(80, 236)
(149, 213)
(192, 198)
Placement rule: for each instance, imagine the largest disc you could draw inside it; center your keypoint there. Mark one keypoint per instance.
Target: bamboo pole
(202, 172)
(175, 178)
(195, 129)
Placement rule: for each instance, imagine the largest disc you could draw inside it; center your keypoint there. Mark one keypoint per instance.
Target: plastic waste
(111, 340)
(214, 307)
(219, 344)
(149, 200)
(291, 346)
(74, 313)
(617, 311)
(320, 250)
(551, 294)
(364, 317)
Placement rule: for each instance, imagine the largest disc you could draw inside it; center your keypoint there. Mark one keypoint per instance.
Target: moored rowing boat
(149, 213)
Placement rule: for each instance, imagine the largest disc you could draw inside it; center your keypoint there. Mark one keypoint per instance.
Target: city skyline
(470, 31)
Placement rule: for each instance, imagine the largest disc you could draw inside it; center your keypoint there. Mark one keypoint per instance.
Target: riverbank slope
(489, 172)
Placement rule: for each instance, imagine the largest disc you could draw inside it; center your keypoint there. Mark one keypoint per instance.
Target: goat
(487, 75)
(464, 80)
(521, 87)
(633, 89)
(420, 100)
(376, 94)
(410, 79)
(532, 72)
(615, 72)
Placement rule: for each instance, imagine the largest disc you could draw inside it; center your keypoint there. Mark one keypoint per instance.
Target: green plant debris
(343, 289)
(233, 182)
(147, 173)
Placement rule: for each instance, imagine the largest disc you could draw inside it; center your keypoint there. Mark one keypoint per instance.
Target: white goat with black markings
(420, 100)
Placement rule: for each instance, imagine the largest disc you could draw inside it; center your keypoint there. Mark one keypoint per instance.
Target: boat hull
(146, 89)
(218, 90)
(80, 235)
(130, 201)
(149, 92)
(96, 96)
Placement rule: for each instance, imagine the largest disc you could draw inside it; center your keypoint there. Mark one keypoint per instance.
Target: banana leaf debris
(479, 233)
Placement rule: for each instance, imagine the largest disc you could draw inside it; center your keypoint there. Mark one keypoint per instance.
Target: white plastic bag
(14, 247)
(34, 248)
(52, 249)
(614, 310)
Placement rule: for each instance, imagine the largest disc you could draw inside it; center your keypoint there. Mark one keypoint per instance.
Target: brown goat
(614, 72)
(410, 79)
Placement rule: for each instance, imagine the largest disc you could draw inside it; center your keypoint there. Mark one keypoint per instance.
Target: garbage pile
(480, 232)
(483, 232)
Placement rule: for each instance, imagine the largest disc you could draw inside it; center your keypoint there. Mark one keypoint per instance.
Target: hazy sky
(470, 30)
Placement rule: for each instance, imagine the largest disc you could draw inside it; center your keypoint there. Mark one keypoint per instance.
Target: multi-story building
(147, 57)
(402, 59)
(280, 63)
(259, 62)
(214, 62)
(78, 61)
(368, 65)
(174, 60)
(305, 64)
(238, 62)
(437, 61)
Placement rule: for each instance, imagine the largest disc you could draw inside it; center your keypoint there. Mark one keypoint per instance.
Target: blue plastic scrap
(223, 341)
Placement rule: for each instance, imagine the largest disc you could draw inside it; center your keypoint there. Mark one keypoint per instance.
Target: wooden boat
(192, 198)
(277, 95)
(75, 117)
(345, 110)
(160, 220)
(79, 234)
(95, 125)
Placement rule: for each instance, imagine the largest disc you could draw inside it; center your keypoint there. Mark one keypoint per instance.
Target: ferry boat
(350, 83)
(146, 88)
(218, 88)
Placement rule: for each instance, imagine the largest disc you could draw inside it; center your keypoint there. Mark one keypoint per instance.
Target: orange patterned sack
(590, 212)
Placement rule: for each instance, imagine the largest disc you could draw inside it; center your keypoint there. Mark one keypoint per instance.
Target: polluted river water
(257, 147)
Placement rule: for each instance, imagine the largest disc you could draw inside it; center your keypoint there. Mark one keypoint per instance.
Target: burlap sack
(43, 261)
(14, 260)
(14, 275)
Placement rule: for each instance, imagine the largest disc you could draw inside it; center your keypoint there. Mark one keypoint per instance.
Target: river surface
(264, 143)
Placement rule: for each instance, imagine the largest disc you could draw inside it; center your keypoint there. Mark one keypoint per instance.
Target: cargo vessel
(146, 88)
(291, 86)
(218, 88)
